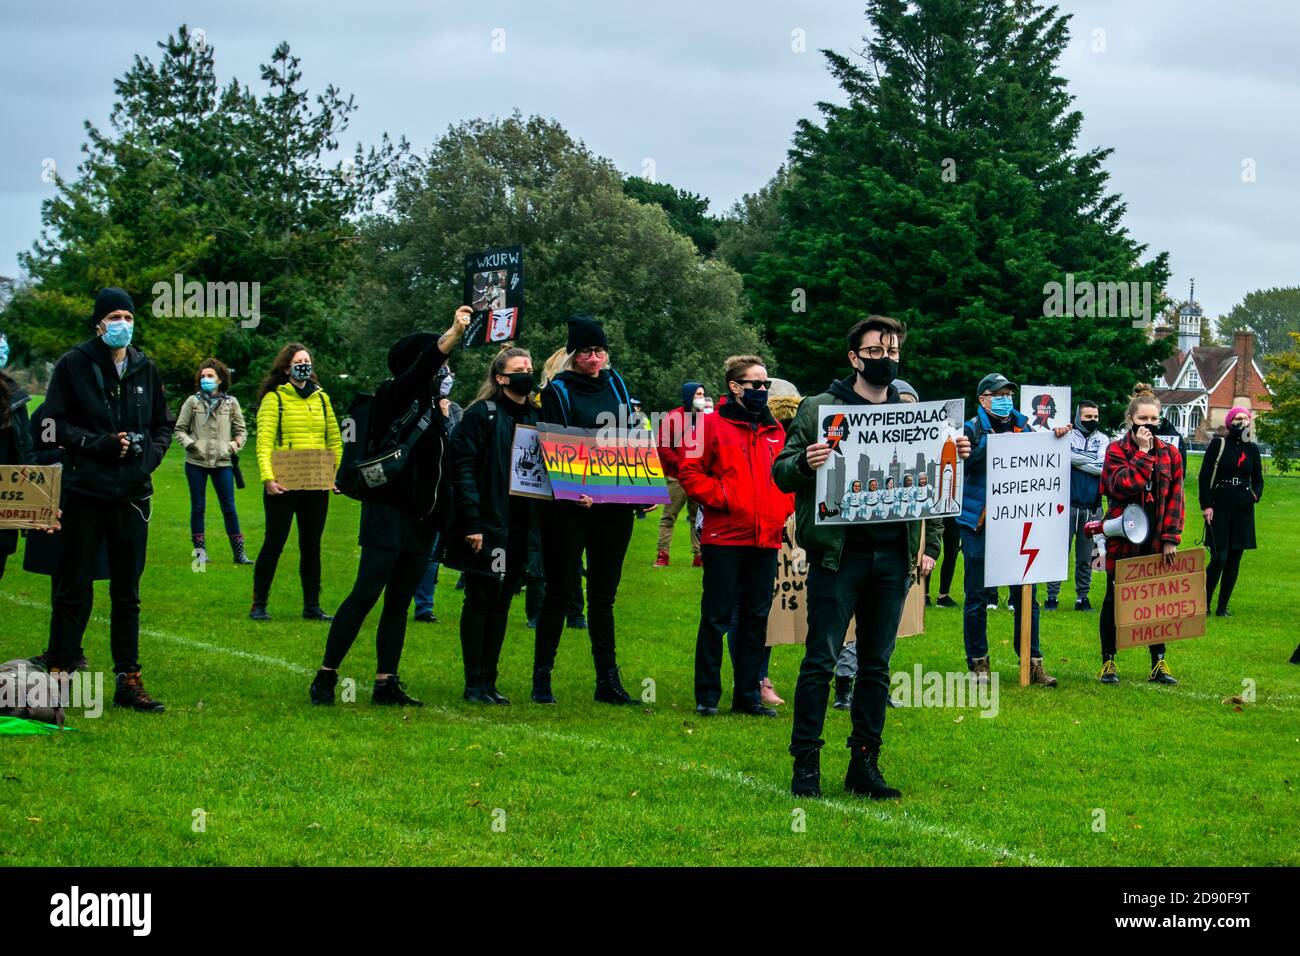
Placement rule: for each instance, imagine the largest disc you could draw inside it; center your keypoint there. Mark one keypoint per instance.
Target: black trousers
(1107, 623)
(733, 576)
(1222, 572)
(535, 594)
(948, 563)
(396, 575)
(86, 523)
(483, 620)
(603, 531)
(311, 509)
(871, 585)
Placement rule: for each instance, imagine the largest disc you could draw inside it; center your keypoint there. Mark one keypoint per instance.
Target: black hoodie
(89, 405)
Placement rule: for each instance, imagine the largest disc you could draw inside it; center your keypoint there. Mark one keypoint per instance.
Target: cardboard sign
(1027, 508)
(303, 469)
(528, 476)
(890, 462)
(1155, 604)
(1046, 406)
(29, 496)
(494, 289)
(611, 465)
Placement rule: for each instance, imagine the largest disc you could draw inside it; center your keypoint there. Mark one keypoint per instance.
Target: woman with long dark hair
(492, 529)
(1230, 485)
(210, 427)
(293, 411)
(1142, 470)
(586, 394)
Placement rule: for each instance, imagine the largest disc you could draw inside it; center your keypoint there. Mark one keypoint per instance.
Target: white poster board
(894, 462)
(1046, 406)
(1027, 502)
(528, 477)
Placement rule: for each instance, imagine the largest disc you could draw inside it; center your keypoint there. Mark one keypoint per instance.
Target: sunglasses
(754, 382)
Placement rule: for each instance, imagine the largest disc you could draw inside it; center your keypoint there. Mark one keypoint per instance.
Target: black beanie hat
(584, 333)
(407, 349)
(110, 300)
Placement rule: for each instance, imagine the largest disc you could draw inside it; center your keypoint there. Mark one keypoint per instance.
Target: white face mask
(698, 404)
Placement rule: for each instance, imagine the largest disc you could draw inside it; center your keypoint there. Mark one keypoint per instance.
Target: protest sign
(1046, 406)
(611, 465)
(29, 496)
(494, 289)
(1155, 603)
(303, 469)
(528, 476)
(1027, 508)
(890, 462)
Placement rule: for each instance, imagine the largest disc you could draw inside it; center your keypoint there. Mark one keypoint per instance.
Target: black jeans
(86, 522)
(603, 531)
(873, 586)
(948, 565)
(483, 620)
(1107, 623)
(733, 575)
(310, 508)
(395, 574)
(1222, 572)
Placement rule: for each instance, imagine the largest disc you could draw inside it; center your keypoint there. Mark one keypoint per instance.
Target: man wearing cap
(110, 416)
(1087, 455)
(996, 414)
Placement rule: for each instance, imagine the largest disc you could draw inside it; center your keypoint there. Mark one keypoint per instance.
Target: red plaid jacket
(1153, 480)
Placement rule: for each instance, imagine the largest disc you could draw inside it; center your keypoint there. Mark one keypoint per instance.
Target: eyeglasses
(878, 352)
(754, 382)
(591, 351)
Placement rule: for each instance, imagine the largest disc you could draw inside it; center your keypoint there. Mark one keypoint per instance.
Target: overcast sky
(710, 91)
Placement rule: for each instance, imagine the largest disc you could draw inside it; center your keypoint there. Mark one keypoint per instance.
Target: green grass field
(1182, 777)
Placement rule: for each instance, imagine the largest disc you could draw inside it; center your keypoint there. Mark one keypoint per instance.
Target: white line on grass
(729, 776)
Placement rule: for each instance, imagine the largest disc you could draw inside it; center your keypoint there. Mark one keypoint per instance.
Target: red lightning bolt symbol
(1030, 553)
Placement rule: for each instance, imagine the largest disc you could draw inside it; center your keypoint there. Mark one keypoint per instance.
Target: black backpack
(375, 468)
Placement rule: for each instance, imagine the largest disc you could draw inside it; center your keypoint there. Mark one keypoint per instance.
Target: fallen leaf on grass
(959, 719)
(33, 819)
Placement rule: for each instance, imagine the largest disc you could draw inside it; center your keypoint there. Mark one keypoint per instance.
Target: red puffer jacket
(732, 479)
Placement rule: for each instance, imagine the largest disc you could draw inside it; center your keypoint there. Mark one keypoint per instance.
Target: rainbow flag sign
(613, 466)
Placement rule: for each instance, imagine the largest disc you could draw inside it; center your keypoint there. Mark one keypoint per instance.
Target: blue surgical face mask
(117, 333)
(1001, 406)
(4, 351)
(208, 385)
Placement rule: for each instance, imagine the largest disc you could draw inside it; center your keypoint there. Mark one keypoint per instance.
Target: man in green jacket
(861, 571)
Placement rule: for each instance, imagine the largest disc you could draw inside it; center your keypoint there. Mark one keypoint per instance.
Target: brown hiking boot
(131, 693)
(1039, 676)
(979, 668)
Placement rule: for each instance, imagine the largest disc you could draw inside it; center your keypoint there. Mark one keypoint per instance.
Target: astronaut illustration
(853, 504)
(922, 496)
(887, 498)
(871, 499)
(903, 504)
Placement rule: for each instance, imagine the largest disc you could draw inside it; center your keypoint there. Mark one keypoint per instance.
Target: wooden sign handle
(1026, 626)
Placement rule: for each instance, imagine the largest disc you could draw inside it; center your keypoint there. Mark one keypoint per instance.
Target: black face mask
(878, 372)
(521, 383)
(1088, 427)
(1236, 430)
(754, 400)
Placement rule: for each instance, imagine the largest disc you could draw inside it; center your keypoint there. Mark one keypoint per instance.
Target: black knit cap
(584, 333)
(110, 300)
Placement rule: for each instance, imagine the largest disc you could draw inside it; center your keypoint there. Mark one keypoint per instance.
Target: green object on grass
(17, 726)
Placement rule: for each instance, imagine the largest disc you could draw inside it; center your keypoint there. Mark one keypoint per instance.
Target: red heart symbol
(1060, 508)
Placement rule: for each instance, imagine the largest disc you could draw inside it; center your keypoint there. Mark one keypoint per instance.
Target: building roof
(1179, 396)
(1212, 362)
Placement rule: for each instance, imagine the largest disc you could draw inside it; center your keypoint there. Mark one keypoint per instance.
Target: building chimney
(1243, 346)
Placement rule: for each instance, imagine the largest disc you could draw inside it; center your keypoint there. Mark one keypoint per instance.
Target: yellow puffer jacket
(304, 423)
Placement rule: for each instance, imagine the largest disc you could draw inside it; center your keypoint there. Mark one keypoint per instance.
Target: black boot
(237, 548)
(322, 687)
(1295, 658)
(1109, 673)
(542, 686)
(864, 777)
(843, 693)
(313, 612)
(807, 778)
(1160, 671)
(258, 613)
(391, 690)
(609, 689)
(490, 686)
(474, 692)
